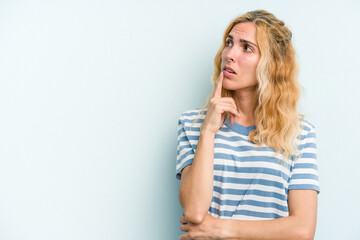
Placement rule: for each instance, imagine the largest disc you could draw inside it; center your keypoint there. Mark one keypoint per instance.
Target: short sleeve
(304, 174)
(185, 151)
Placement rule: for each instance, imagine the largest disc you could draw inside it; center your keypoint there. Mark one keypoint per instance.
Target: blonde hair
(278, 122)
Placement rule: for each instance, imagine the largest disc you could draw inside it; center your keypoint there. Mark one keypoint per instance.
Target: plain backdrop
(90, 96)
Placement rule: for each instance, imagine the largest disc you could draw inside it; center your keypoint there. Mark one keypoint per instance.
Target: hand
(218, 106)
(207, 229)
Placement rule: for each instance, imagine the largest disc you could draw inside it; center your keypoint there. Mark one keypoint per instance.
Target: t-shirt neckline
(240, 128)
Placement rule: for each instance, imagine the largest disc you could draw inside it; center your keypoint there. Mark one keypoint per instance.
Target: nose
(230, 55)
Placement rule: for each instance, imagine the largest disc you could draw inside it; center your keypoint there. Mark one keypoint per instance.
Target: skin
(301, 222)
(243, 58)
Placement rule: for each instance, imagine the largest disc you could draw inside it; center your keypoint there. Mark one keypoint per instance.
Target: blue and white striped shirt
(249, 183)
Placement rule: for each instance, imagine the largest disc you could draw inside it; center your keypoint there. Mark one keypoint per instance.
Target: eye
(228, 42)
(248, 48)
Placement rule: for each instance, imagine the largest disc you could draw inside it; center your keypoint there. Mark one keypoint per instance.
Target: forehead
(246, 30)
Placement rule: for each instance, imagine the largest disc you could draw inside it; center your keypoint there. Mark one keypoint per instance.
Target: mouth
(228, 71)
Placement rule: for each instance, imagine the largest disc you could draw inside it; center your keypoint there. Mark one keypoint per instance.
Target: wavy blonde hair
(278, 122)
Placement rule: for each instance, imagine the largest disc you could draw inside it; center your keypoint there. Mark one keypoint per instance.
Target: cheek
(252, 61)
(249, 65)
(223, 54)
(256, 61)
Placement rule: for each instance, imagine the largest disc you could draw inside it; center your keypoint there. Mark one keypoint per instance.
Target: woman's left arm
(300, 224)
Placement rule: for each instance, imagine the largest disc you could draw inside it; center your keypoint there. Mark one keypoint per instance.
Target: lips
(229, 69)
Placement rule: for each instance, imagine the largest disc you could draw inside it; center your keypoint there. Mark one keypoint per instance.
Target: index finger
(218, 87)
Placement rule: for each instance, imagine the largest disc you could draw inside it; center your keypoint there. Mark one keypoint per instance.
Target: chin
(228, 85)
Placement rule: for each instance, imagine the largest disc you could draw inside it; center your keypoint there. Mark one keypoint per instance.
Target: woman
(247, 159)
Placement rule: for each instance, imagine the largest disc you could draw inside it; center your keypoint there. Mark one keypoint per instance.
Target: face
(240, 57)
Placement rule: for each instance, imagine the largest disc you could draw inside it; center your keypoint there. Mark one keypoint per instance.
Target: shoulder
(308, 130)
(192, 116)
(306, 125)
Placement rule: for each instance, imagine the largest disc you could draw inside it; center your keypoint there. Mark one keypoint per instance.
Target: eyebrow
(242, 40)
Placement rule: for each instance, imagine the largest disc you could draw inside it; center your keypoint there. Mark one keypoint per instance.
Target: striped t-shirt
(249, 183)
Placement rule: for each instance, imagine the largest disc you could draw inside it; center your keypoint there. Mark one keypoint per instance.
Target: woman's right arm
(196, 188)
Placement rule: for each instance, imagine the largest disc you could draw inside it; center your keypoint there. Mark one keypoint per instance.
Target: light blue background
(90, 95)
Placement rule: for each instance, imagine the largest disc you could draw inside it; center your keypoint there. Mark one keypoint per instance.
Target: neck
(246, 101)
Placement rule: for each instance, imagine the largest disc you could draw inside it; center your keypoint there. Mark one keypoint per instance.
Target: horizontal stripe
(250, 170)
(249, 183)
(234, 209)
(249, 192)
(194, 129)
(305, 176)
(307, 145)
(253, 176)
(245, 213)
(308, 155)
(306, 165)
(254, 186)
(304, 181)
(190, 114)
(309, 135)
(244, 148)
(191, 121)
(264, 182)
(304, 187)
(251, 158)
(187, 138)
(250, 203)
(251, 197)
(312, 171)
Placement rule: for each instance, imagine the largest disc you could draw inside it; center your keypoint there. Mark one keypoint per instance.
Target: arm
(300, 224)
(196, 188)
(195, 193)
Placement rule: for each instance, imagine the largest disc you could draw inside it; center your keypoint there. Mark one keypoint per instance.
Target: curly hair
(278, 122)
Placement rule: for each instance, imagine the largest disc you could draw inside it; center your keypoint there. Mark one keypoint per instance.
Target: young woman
(247, 159)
